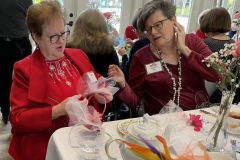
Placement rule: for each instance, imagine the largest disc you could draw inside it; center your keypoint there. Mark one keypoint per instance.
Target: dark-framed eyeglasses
(157, 26)
(55, 38)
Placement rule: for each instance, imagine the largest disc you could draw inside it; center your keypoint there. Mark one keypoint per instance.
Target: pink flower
(237, 15)
(195, 121)
(236, 53)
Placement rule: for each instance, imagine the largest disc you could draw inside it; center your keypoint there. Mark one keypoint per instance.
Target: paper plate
(124, 126)
(233, 126)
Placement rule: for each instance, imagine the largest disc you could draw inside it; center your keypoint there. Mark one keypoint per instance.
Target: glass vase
(217, 136)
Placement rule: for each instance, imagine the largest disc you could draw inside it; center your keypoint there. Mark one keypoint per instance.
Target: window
(114, 7)
(228, 4)
(183, 9)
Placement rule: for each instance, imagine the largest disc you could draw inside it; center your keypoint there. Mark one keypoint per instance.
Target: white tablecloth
(59, 147)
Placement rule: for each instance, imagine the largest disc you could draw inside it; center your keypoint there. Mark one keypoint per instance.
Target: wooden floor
(5, 135)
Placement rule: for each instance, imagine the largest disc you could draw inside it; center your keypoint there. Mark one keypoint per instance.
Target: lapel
(38, 84)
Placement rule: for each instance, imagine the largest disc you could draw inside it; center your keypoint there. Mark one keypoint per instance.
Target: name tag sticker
(153, 67)
(91, 76)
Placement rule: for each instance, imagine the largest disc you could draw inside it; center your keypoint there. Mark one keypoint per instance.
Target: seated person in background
(215, 24)
(90, 34)
(112, 30)
(141, 42)
(199, 33)
(44, 82)
(130, 33)
(169, 68)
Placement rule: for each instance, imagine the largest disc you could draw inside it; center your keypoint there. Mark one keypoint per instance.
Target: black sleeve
(124, 63)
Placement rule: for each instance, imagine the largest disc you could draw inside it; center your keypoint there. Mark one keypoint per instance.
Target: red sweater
(32, 98)
(156, 89)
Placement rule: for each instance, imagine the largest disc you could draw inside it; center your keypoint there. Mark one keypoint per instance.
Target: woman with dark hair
(215, 24)
(169, 68)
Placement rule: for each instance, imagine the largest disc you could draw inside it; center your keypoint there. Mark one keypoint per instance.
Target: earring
(37, 46)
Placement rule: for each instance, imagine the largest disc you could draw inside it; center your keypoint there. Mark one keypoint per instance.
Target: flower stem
(225, 108)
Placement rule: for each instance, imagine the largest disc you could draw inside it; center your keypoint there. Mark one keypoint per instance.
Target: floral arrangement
(226, 63)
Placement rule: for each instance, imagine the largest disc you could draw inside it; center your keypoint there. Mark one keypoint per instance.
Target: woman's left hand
(116, 73)
(180, 39)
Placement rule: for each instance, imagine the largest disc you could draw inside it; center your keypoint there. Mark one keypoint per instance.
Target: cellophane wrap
(180, 135)
(85, 119)
(80, 112)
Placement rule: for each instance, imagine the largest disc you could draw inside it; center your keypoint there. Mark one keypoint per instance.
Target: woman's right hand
(59, 109)
(116, 73)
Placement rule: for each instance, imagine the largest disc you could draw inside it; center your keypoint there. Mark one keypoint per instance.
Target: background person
(44, 82)
(216, 24)
(169, 68)
(138, 44)
(91, 35)
(112, 30)
(199, 32)
(14, 45)
(130, 33)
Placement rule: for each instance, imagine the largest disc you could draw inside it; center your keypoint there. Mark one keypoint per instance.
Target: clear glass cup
(89, 139)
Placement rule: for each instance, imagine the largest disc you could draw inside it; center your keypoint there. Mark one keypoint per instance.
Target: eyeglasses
(55, 38)
(157, 26)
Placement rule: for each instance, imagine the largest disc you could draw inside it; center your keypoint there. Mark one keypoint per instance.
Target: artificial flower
(238, 49)
(151, 147)
(150, 153)
(143, 152)
(195, 121)
(165, 146)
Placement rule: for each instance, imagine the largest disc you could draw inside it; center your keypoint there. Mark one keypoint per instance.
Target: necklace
(176, 88)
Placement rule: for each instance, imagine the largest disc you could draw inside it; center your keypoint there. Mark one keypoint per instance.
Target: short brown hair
(216, 20)
(41, 13)
(168, 9)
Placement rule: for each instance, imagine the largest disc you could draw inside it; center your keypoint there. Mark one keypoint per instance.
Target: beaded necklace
(176, 88)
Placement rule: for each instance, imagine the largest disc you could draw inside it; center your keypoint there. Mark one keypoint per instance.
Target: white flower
(224, 64)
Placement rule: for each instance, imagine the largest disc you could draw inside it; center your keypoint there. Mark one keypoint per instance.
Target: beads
(176, 89)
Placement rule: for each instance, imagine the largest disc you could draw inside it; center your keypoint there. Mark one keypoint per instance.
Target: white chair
(211, 87)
